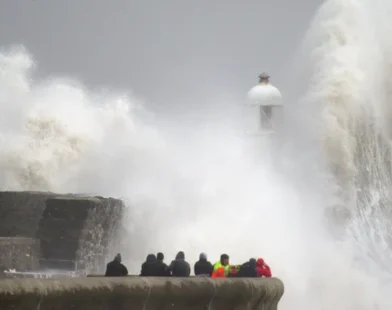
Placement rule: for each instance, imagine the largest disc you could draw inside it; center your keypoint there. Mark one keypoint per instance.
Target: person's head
(160, 256)
(180, 255)
(203, 256)
(264, 78)
(117, 258)
(151, 258)
(224, 259)
(252, 262)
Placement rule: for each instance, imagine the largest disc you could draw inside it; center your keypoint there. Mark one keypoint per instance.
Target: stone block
(18, 253)
(75, 231)
(20, 213)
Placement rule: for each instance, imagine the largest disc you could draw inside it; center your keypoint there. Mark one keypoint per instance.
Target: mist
(142, 101)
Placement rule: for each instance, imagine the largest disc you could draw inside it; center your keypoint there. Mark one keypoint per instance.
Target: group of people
(154, 266)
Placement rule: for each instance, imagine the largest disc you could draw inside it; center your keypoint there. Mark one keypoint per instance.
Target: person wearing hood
(263, 270)
(149, 267)
(180, 267)
(203, 267)
(115, 268)
(248, 270)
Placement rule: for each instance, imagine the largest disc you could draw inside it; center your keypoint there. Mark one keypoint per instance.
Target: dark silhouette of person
(203, 267)
(115, 268)
(149, 267)
(161, 268)
(248, 270)
(180, 267)
(160, 256)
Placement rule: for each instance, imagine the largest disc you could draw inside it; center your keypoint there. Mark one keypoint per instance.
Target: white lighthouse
(263, 109)
(263, 117)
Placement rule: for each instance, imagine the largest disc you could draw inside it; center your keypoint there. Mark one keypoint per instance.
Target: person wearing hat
(203, 267)
(115, 268)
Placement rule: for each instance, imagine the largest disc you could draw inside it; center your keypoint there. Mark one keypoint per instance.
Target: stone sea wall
(99, 293)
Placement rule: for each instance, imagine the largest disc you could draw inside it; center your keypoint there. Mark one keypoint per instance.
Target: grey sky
(169, 52)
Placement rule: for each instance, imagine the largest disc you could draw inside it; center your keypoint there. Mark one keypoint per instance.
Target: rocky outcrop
(141, 293)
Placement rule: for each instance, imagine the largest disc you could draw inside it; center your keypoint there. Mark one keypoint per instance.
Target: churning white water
(349, 93)
(320, 217)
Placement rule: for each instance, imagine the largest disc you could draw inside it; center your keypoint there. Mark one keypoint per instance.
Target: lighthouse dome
(264, 95)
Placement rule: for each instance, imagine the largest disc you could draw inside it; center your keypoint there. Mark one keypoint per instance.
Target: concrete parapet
(141, 293)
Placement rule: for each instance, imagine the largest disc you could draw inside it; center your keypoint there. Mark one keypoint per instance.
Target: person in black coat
(203, 267)
(115, 268)
(248, 270)
(179, 267)
(162, 269)
(149, 267)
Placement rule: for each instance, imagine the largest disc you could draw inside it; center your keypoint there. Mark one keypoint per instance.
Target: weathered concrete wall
(75, 231)
(141, 293)
(103, 232)
(19, 253)
(20, 213)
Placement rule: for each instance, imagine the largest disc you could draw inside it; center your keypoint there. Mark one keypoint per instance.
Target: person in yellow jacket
(222, 264)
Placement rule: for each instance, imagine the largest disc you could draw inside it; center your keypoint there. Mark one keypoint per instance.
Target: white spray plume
(202, 193)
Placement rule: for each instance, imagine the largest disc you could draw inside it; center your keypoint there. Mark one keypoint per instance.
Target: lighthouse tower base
(260, 147)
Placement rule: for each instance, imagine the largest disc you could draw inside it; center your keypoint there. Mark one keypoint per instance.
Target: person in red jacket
(263, 269)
